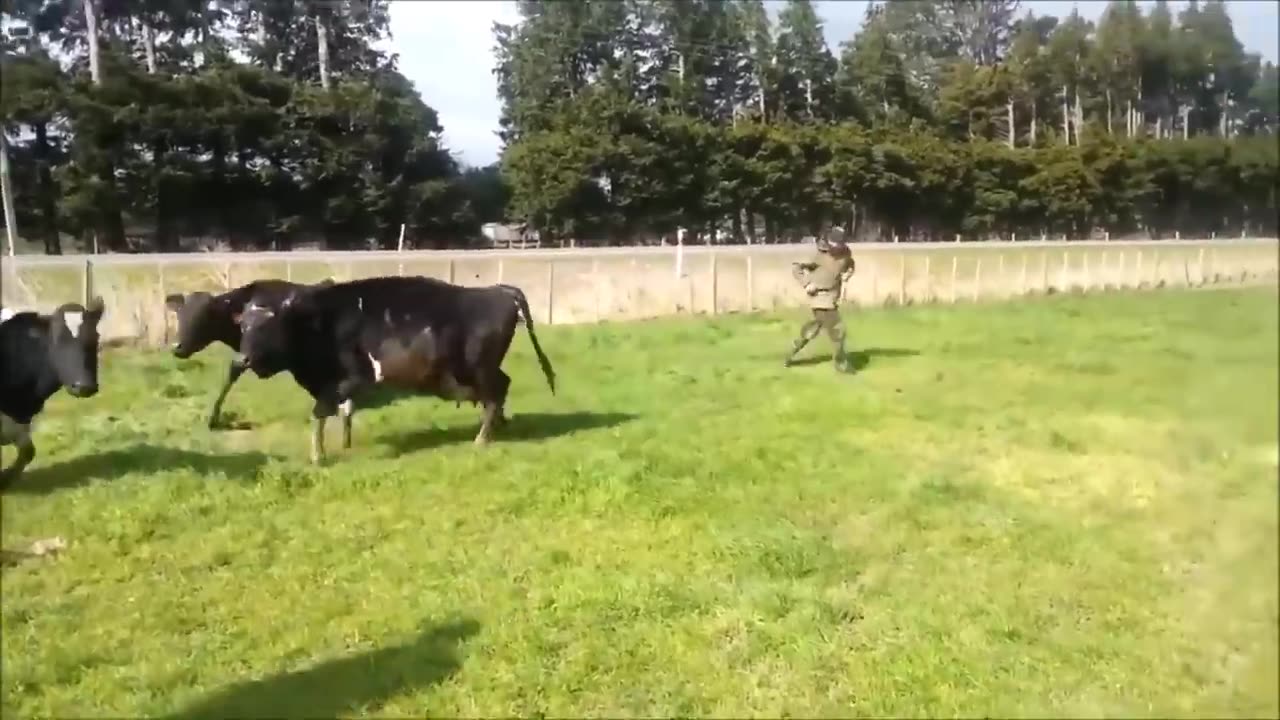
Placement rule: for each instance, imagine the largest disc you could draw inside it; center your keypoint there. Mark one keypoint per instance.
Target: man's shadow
(343, 686)
(858, 359)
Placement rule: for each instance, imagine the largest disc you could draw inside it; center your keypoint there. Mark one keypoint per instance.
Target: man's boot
(796, 346)
(840, 359)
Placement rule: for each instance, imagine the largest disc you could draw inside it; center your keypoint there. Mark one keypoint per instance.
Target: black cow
(38, 355)
(417, 333)
(204, 319)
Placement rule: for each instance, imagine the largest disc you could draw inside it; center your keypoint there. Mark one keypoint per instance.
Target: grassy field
(1065, 506)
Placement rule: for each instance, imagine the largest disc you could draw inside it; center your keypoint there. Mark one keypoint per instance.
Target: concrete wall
(575, 286)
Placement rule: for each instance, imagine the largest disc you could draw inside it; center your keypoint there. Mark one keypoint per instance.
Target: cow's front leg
(323, 410)
(26, 453)
(234, 372)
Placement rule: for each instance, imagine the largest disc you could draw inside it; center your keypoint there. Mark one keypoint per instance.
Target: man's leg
(834, 325)
(808, 332)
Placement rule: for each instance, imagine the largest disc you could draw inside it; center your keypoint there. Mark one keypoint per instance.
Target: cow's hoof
(481, 441)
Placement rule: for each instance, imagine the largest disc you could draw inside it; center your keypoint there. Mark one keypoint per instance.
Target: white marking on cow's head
(377, 368)
(6, 313)
(360, 304)
(346, 407)
(74, 320)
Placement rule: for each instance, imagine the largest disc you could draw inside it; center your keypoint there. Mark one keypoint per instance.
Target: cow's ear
(173, 301)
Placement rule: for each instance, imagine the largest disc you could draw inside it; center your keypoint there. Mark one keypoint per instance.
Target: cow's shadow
(858, 359)
(344, 685)
(142, 458)
(370, 398)
(521, 427)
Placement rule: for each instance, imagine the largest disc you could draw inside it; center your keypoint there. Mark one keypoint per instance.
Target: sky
(446, 49)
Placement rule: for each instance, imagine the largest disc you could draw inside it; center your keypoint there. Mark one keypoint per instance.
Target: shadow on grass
(372, 398)
(112, 464)
(343, 686)
(521, 427)
(859, 359)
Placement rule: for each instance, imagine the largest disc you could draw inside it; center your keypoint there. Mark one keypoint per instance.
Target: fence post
(1022, 276)
(595, 285)
(1137, 269)
(1088, 274)
(977, 279)
(902, 279)
(955, 269)
(288, 269)
(453, 271)
(928, 279)
(226, 275)
(1213, 264)
(500, 268)
(164, 313)
(86, 282)
(1103, 270)
(1044, 272)
(1200, 265)
(751, 286)
(1123, 283)
(551, 288)
(715, 285)
(1062, 274)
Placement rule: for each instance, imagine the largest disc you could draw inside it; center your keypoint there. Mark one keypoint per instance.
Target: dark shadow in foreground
(858, 359)
(344, 686)
(142, 458)
(522, 426)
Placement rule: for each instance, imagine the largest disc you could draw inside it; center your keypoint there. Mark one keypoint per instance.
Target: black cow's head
(202, 320)
(73, 346)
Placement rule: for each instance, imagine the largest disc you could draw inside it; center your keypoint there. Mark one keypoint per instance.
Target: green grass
(1065, 506)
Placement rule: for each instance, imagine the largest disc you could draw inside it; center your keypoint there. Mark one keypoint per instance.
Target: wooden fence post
(928, 284)
(595, 285)
(1088, 274)
(1123, 282)
(164, 313)
(86, 282)
(1022, 276)
(955, 272)
(1200, 265)
(288, 270)
(453, 271)
(715, 285)
(1044, 272)
(551, 289)
(902, 279)
(500, 270)
(1062, 273)
(977, 279)
(751, 286)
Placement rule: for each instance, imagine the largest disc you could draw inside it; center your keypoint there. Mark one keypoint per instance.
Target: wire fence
(632, 283)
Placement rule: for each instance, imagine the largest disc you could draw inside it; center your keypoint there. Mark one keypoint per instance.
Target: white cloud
(446, 49)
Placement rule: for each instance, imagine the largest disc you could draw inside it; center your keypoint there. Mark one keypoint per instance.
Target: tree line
(140, 125)
(629, 119)
(135, 124)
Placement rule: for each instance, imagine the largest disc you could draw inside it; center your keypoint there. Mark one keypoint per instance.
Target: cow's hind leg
(322, 411)
(493, 398)
(26, 453)
(346, 409)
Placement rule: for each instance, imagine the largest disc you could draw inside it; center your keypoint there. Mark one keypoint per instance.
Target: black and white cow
(204, 319)
(39, 354)
(417, 333)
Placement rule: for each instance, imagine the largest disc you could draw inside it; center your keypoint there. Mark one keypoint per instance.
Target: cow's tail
(522, 309)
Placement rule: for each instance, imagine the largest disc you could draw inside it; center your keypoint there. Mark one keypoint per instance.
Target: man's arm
(802, 268)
